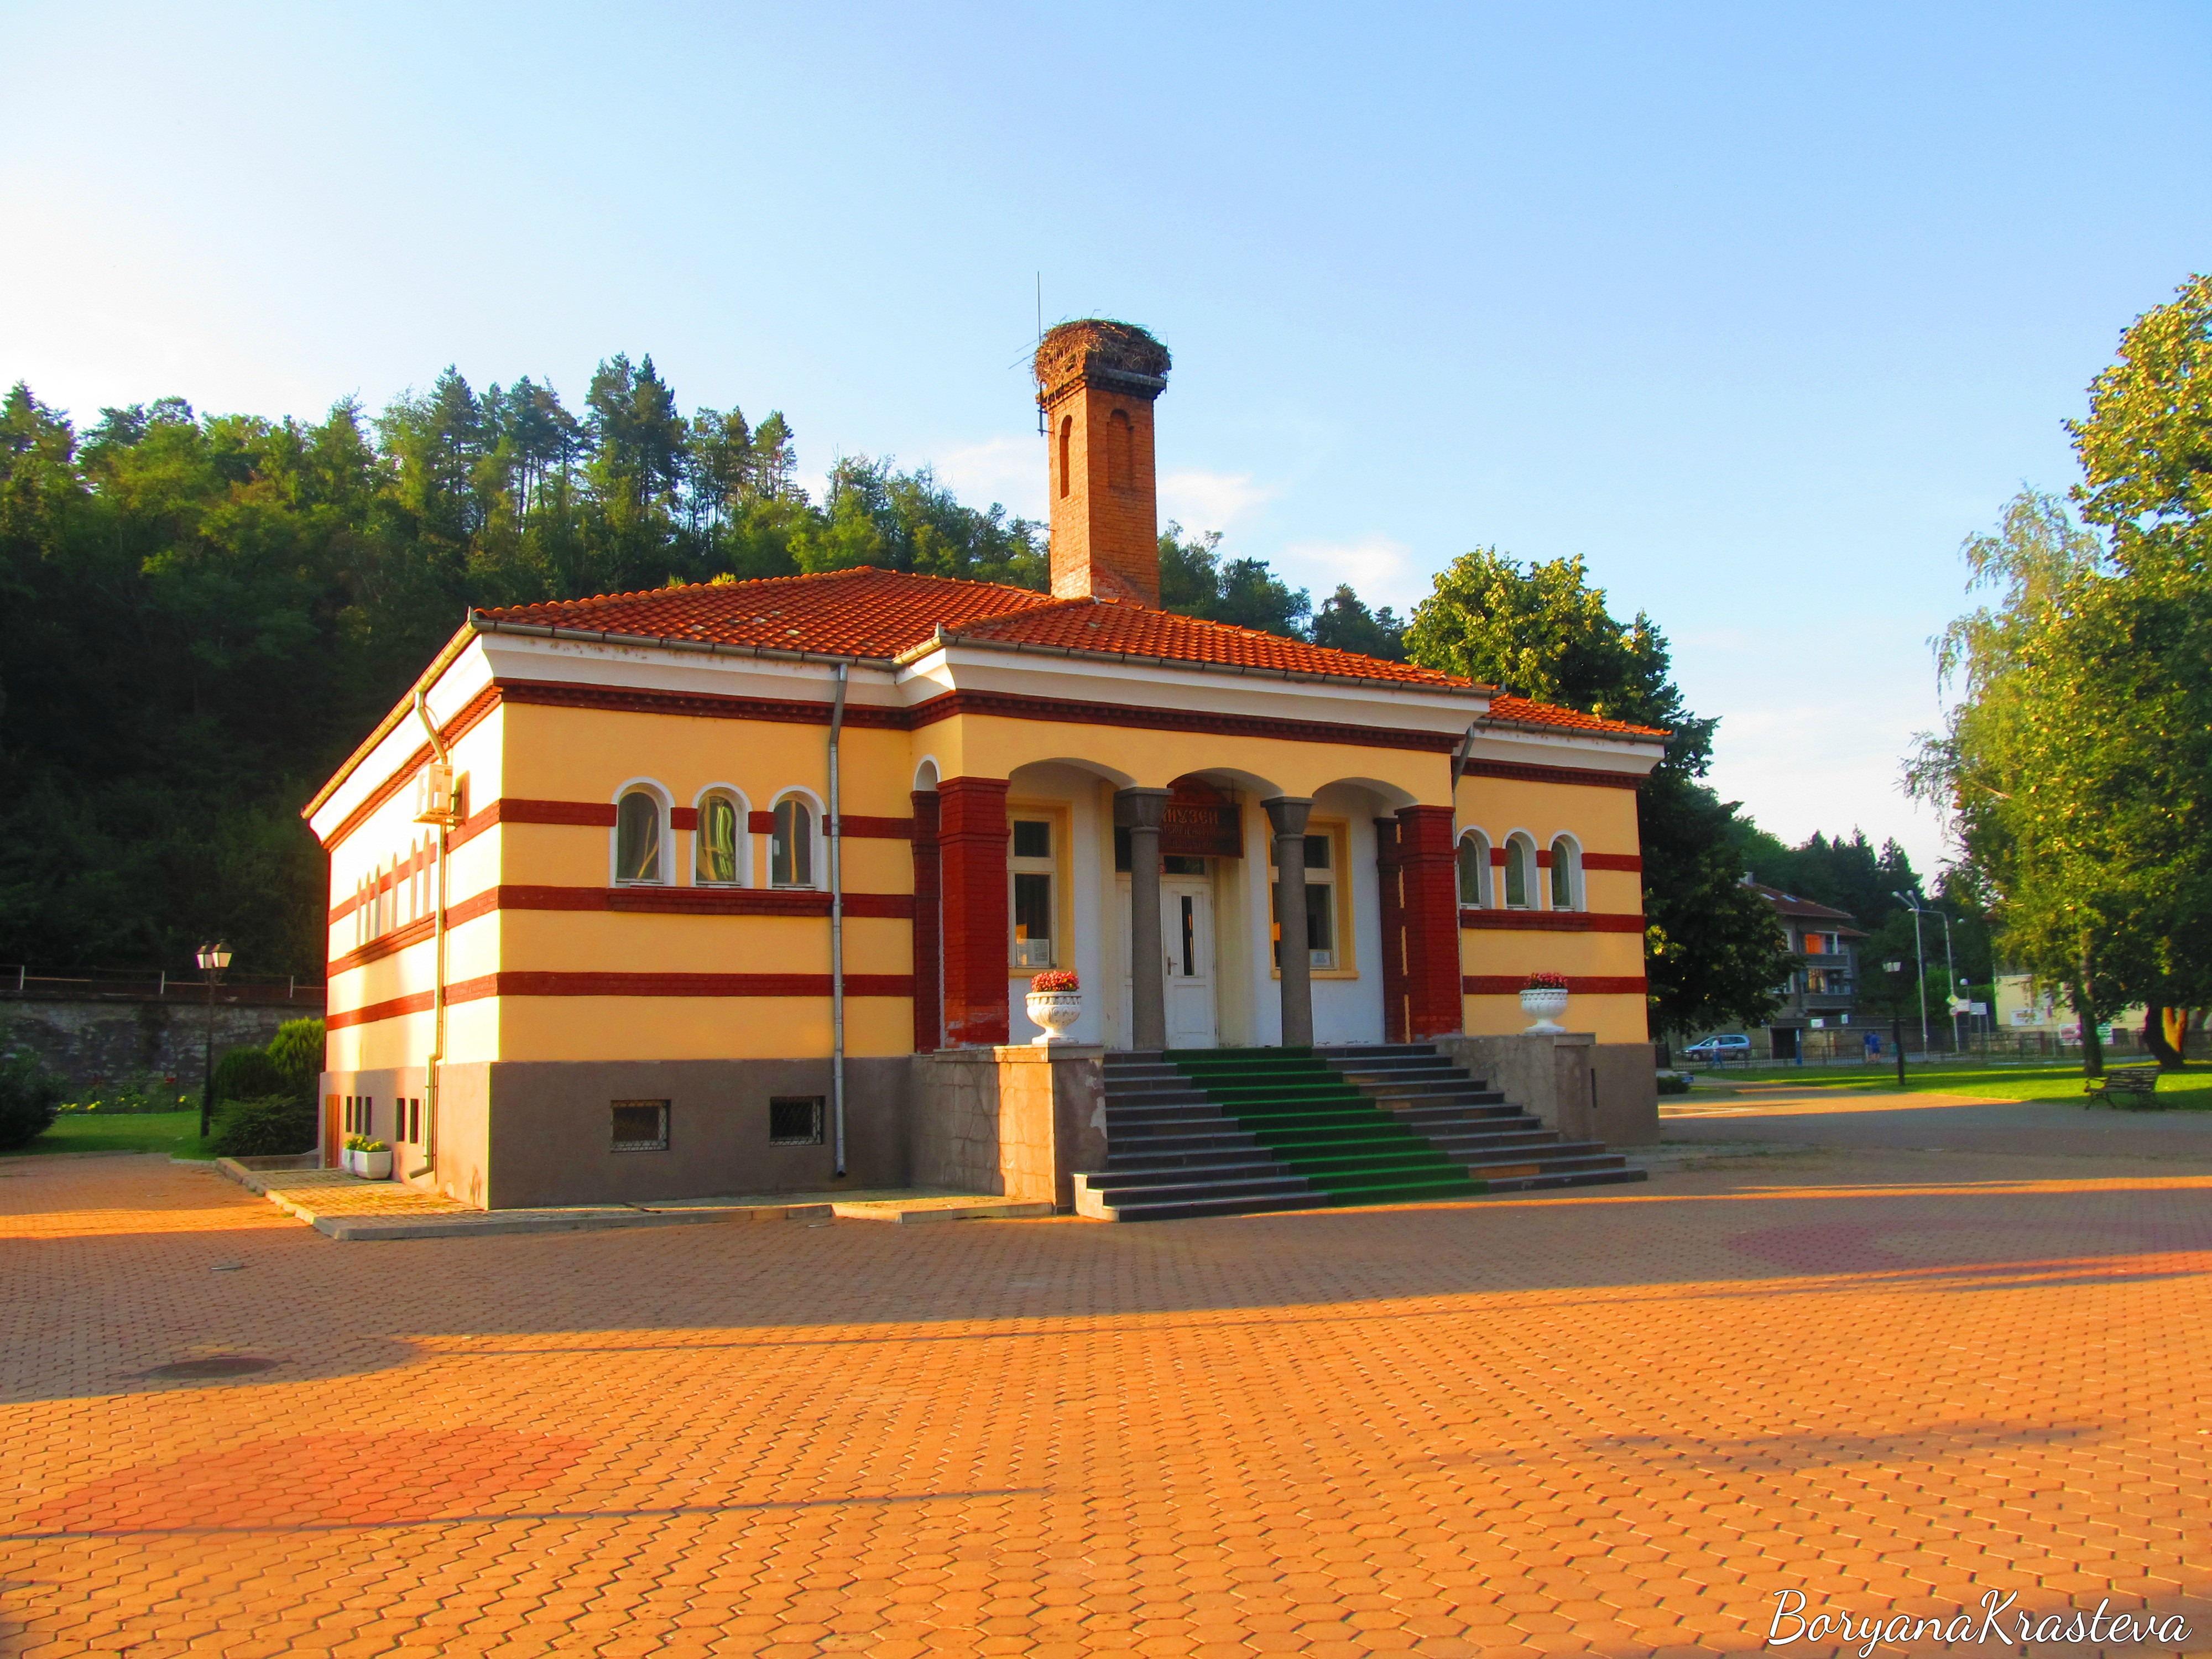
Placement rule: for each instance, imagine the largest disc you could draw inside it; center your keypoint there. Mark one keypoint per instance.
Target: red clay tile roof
(1789, 904)
(1134, 631)
(857, 613)
(885, 613)
(1521, 711)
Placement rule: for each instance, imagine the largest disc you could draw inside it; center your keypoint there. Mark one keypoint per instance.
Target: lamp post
(212, 959)
(1920, 957)
(1896, 1018)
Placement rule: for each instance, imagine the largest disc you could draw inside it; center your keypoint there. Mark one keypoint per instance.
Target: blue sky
(1758, 309)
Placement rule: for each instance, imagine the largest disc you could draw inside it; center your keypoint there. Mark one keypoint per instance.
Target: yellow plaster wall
(1483, 952)
(696, 1028)
(1603, 819)
(1614, 1018)
(993, 747)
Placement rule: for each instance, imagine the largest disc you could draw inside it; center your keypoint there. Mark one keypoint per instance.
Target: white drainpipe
(836, 828)
(438, 956)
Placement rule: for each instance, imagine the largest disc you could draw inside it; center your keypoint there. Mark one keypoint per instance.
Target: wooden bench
(2124, 1085)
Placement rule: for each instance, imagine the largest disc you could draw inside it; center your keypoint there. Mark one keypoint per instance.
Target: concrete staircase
(1239, 1132)
(1471, 1123)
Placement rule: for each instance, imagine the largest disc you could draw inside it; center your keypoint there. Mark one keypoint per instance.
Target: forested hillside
(205, 613)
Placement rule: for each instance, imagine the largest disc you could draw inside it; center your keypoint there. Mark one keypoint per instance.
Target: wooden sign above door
(1201, 822)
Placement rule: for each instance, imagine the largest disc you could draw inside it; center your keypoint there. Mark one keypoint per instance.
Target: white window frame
(1578, 899)
(667, 803)
(817, 861)
(1486, 892)
(744, 876)
(1047, 867)
(1532, 882)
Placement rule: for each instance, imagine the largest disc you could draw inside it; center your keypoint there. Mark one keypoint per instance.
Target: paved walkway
(1610, 1420)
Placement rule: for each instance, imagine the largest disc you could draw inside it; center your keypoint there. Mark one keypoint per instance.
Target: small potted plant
(1053, 1001)
(369, 1159)
(1544, 998)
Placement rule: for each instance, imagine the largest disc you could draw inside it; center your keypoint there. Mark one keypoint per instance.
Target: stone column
(1393, 930)
(1287, 813)
(1139, 812)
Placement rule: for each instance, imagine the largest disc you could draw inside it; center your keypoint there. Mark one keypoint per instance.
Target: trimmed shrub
(263, 1126)
(296, 1052)
(245, 1074)
(30, 1095)
(1673, 1082)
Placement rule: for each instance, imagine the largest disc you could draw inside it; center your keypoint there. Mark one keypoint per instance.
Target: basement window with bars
(795, 1120)
(641, 1126)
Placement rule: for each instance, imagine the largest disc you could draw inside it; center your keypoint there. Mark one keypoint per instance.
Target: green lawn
(2191, 1089)
(177, 1134)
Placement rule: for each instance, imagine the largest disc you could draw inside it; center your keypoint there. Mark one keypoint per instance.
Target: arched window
(719, 843)
(1520, 873)
(791, 854)
(637, 837)
(1474, 870)
(1566, 875)
(1066, 432)
(1121, 452)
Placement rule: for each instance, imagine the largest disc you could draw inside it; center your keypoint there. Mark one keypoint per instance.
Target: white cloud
(1380, 570)
(1009, 469)
(1201, 501)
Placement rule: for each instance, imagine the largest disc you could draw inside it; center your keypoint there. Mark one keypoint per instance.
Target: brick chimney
(1095, 383)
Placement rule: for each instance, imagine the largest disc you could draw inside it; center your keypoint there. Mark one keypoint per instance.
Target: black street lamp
(213, 959)
(1896, 1018)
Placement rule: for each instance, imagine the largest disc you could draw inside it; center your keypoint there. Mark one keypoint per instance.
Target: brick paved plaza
(1613, 1421)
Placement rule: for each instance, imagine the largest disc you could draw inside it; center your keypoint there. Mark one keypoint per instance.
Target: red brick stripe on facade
(853, 827)
(1589, 985)
(1552, 921)
(1629, 861)
(625, 984)
(661, 901)
(683, 817)
(703, 705)
(391, 944)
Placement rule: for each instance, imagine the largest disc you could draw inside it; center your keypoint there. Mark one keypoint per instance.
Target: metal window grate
(641, 1126)
(795, 1120)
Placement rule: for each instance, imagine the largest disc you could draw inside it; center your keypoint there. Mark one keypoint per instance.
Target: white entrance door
(1187, 936)
(1186, 945)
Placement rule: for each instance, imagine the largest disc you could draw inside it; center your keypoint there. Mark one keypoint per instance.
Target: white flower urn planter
(1544, 1005)
(375, 1166)
(1055, 1011)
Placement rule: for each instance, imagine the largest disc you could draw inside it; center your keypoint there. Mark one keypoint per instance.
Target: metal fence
(152, 984)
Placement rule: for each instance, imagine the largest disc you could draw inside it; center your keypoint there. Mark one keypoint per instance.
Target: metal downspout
(836, 828)
(437, 958)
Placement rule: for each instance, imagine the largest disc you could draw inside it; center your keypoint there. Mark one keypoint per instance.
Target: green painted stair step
(1320, 1127)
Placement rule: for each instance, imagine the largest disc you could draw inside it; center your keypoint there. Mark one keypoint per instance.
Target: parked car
(1716, 1050)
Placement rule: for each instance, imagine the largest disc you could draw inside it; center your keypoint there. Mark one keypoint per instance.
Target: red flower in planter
(1055, 979)
(1545, 983)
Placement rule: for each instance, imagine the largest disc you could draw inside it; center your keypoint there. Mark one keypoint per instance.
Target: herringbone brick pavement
(1613, 1421)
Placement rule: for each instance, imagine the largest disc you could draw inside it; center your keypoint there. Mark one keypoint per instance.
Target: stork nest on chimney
(1067, 350)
